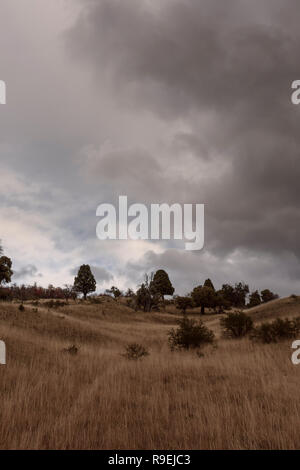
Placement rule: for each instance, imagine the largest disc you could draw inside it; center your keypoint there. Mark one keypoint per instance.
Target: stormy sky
(184, 101)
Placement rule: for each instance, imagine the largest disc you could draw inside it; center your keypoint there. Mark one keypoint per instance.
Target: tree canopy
(162, 284)
(84, 281)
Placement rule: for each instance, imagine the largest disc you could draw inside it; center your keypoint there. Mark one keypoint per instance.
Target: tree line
(149, 296)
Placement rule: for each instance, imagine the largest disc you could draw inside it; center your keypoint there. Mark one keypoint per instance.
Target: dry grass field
(238, 395)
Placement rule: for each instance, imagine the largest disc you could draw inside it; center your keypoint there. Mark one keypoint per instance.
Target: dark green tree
(114, 291)
(221, 303)
(254, 299)
(267, 295)
(208, 283)
(204, 297)
(227, 293)
(5, 268)
(182, 303)
(162, 284)
(240, 293)
(147, 297)
(235, 296)
(84, 281)
(129, 293)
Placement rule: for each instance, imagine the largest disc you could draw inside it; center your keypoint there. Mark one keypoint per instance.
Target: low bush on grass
(135, 351)
(55, 304)
(73, 350)
(276, 330)
(236, 325)
(95, 300)
(190, 334)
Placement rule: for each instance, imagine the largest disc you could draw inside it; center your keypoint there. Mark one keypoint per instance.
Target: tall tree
(240, 293)
(208, 283)
(227, 292)
(147, 297)
(235, 296)
(5, 268)
(182, 303)
(267, 295)
(162, 284)
(254, 299)
(204, 297)
(84, 281)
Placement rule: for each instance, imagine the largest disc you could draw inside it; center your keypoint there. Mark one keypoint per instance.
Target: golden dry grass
(239, 395)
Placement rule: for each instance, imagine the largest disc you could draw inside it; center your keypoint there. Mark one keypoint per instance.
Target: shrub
(114, 291)
(236, 325)
(21, 308)
(55, 304)
(190, 334)
(135, 351)
(147, 298)
(95, 300)
(5, 294)
(267, 295)
(73, 350)
(254, 300)
(131, 303)
(277, 330)
(182, 303)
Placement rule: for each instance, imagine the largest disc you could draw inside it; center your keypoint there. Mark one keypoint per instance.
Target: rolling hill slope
(235, 395)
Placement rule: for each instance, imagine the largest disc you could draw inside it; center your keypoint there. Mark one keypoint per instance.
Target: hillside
(236, 395)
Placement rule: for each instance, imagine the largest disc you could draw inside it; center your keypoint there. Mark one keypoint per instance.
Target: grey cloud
(26, 271)
(183, 58)
(101, 274)
(194, 98)
(126, 171)
(187, 271)
(181, 61)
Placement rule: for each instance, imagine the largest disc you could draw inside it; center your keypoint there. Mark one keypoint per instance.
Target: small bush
(5, 294)
(236, 325)
(277, 330)
(21, 308)
(183, 303)
(190, 334)
(55, 304)
(131, 302)
(73, 350)
(95, 300)
(135, 351)
(200, 354)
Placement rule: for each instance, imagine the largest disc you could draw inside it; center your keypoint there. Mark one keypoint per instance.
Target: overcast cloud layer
(173, 101)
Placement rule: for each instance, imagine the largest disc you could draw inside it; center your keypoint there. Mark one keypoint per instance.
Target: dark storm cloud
(176, 101)
(183, 57)
(26, 271)
(187, 271)
(227, 64)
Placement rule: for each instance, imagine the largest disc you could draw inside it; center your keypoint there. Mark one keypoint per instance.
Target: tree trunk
(202, 310)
